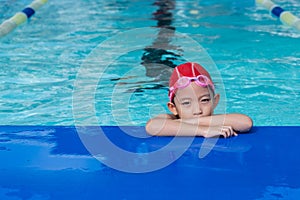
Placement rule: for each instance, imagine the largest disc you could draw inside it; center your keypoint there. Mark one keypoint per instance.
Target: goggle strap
(193, 69)
(178, 73)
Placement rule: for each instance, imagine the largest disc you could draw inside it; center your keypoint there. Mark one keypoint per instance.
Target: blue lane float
(20, 17)
(285, 17)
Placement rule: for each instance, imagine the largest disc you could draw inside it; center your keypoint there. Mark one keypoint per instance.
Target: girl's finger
(234, 133)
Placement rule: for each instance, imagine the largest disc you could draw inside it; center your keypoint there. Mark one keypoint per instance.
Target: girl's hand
(215, 131)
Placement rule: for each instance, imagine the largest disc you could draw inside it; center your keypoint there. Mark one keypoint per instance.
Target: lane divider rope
(285, 16)
(20, 17)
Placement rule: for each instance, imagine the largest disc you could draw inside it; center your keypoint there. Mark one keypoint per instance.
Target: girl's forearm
(168, 127)
(238, 122)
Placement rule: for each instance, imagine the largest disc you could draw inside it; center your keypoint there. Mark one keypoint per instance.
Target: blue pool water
(256, 56)
(88, 63)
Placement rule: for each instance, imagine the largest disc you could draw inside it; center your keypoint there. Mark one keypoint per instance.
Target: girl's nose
(197, 110)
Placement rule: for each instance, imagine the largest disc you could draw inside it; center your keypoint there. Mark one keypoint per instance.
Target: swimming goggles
(185, 81)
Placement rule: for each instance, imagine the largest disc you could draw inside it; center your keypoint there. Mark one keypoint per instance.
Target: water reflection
(160, 58)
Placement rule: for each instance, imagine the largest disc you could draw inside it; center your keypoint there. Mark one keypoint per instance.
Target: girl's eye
(206, 100)
(185, 103)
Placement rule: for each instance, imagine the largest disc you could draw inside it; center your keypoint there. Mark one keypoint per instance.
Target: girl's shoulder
(166, 116)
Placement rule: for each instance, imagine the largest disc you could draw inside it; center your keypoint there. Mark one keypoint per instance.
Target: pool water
(93, 63)
(257, 60)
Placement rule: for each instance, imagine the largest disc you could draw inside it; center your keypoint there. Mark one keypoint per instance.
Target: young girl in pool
(192, 102)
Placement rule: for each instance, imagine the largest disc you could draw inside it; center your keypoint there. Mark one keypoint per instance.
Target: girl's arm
(168, 125)
(239, 122)
(210, 126)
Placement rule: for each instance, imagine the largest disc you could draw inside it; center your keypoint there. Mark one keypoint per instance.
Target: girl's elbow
(150, 129)
(248, 124)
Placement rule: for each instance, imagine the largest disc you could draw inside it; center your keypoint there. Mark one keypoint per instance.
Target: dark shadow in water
(160, 58)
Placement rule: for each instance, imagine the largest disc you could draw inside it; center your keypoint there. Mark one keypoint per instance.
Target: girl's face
(193, 101)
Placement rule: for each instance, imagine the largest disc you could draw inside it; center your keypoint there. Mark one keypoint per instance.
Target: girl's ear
(172, 108)
(216, 100)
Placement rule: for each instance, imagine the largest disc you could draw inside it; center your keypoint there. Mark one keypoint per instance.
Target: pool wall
(50, 162)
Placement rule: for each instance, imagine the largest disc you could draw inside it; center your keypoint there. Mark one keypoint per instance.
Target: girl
(192, 102)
